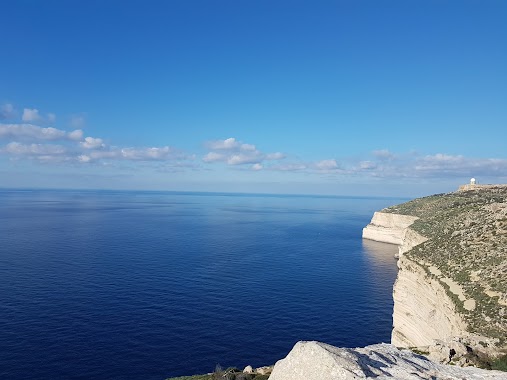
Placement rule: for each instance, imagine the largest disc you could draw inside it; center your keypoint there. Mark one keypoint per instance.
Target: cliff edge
(452, 279)
(450, 296)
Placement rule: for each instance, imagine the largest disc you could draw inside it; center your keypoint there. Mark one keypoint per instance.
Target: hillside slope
(466, 252)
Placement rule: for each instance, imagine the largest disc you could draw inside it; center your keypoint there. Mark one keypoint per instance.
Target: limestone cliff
(394, 229)
(452, 280)
(422, 311)
(388, 227)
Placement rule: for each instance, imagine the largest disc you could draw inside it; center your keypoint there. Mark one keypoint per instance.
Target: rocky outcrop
(319, 361)
(410, 239)
(388, 227)
(422, 311)
(393, 228)
(266, 370)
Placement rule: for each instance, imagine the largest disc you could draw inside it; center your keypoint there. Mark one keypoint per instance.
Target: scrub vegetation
(224, 374)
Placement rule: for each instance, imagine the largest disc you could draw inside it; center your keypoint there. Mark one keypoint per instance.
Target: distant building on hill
(473, 185)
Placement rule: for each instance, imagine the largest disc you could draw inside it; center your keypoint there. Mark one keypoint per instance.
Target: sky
(343, 97)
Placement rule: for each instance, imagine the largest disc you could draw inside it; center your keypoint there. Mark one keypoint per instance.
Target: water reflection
(380, 255)
(382, 269)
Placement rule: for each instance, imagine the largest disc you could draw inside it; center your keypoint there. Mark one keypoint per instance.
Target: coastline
(432, 306)
(447, 291)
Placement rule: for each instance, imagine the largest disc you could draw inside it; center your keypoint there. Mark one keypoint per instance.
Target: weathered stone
(445, 352)
(264, 370)
(394, 229)
(422, 310)
(319, 361)
(388, 227)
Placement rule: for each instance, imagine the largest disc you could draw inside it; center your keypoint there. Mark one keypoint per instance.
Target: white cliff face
(394, 229)
(388, 227)
(422, 311)
(424, 316)
(319, 361)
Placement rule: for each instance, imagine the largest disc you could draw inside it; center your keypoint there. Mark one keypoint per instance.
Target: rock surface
(422, 310)
(452, 269)
(410, 240)
(319, 361)
(466, 252)
(388, 227)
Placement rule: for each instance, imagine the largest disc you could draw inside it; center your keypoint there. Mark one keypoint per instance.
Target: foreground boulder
(320, 361)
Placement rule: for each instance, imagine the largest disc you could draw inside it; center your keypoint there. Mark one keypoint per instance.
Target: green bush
(500, 364)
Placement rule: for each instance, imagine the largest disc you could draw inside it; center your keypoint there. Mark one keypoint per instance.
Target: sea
(151, 285)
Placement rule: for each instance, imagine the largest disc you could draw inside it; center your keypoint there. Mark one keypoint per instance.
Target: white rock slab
(320, 361)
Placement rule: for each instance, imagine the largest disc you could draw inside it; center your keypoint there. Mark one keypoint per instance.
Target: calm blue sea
(148, 285)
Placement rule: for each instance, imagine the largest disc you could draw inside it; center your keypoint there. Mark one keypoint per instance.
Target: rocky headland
(450, 295)
(452, 281)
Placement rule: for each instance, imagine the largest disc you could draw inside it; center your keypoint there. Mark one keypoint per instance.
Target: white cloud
(26, 141)
(248, 147)
(76, 135)
(230, 144)
(274, 156)
(214, 157)
(240, 159)
(445, 159)
(48, 144)
(84, 158)
(294, 167)
(128, 154)
(327, 165)
(19, 149)
(30, 131)
(92, 143)
(440, 165)
(146, 154)
(383, 154)
(104, 154)
(31, 115)
(405, 166)
(367, 165)
(234, 152)
(36, 133)
(227, 144)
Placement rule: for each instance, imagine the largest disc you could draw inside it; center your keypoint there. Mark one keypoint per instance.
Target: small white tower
(472, 181)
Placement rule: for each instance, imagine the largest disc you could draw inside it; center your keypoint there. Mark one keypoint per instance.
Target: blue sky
(325, 97)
